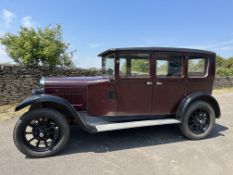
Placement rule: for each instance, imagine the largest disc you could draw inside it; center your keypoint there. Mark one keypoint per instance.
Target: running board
(134, 124)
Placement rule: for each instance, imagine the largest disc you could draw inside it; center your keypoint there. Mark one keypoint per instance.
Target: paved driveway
(153, 150)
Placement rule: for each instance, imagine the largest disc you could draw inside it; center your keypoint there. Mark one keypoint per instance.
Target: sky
(92, 26)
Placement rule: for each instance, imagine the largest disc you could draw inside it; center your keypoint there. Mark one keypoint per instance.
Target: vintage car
(144, 86)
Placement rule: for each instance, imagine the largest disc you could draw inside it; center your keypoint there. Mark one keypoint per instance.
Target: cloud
(4, 58)
(27, 22)
(6, 20)
(7, 16)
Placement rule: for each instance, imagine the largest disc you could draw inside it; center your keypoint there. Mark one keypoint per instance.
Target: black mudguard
(189, 99)
(39, 99)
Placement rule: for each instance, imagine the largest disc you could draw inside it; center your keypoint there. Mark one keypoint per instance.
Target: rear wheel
(41, 133)
(198, 121)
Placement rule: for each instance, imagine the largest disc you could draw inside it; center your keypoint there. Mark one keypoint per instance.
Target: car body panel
(101, 99)
(116, 96)
(74, 89)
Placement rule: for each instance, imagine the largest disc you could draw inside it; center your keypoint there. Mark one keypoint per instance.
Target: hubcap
(41, 134)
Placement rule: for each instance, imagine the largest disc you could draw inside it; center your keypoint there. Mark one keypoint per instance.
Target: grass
(8, 111)
(222, 91)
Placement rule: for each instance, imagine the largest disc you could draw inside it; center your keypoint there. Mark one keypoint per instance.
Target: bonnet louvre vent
(77, 97)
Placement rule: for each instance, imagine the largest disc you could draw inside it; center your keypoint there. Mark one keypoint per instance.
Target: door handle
(159, 83)
(149, 83)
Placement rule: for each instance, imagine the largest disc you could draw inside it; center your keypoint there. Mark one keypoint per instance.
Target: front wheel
(41, 133)
(198, 121)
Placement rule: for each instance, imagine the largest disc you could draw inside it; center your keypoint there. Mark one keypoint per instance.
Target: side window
(134, 65)
(169, 66)
(108, 65)
(196, 67)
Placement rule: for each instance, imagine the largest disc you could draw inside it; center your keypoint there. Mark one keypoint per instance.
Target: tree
(228, 63)
(222, 71)
(140, 65)
(219, 61)
(224, 66)
(44, 47)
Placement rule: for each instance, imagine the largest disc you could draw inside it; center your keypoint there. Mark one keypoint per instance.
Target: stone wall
(223, 82)
(16, 83)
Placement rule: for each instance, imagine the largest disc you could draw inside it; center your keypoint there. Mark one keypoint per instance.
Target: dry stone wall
(16, 82)
(223, 82)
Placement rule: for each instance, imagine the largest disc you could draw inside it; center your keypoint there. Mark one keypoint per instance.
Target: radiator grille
(77, 97)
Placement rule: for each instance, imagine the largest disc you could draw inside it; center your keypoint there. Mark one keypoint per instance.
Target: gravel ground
(152, 150)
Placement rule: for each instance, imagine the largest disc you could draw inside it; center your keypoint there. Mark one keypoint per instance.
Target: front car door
(169, 82)
(133, 84)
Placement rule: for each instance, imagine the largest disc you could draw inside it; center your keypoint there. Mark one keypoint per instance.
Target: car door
(134, 84)
(199, 79)
(168, 83)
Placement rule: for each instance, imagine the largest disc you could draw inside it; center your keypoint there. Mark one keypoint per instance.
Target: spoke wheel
(41, 134)
(198, 121)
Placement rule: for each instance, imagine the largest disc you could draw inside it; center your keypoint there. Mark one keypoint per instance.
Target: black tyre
(41, 133)
(198, 121)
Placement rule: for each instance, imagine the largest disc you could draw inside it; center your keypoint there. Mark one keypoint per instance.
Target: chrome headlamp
(42, 82)
(41, 90)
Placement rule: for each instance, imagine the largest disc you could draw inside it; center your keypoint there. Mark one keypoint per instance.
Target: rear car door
(168, 83)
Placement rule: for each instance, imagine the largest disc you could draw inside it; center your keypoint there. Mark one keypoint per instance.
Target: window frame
(133, 77)
(103, 66)
(157, 56)
(192, 57)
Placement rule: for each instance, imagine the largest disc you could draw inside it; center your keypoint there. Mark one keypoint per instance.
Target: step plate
(133, 124)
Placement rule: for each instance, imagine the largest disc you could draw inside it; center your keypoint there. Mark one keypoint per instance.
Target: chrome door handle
(159, 83)
(149, 83)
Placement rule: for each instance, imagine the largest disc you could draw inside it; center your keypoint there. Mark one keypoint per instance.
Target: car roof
(155, 49)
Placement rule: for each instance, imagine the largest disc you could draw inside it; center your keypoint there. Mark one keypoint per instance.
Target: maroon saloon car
(140, 87)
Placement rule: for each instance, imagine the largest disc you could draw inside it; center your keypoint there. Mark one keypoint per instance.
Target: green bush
(222, 71)
(224, 66)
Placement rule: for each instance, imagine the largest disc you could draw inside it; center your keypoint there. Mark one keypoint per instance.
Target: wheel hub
(199, 121)
(44, 134)
(41, 134)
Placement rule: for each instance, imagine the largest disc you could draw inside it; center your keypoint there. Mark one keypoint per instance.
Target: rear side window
(169, 66)
(196, 67)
